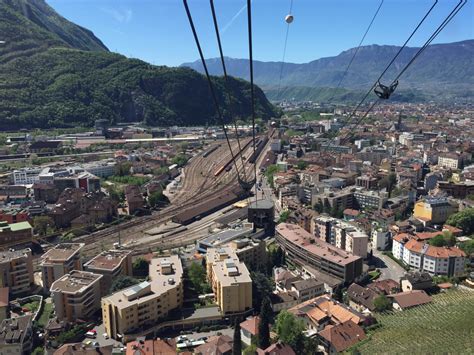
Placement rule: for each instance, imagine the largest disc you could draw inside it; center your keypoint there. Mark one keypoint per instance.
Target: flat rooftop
(61, 252)
(108, 260)
(160, 282)
(298, 236)
(225, 236)
(227, 268)
(13, 254)
(74, 282)
(15, 227)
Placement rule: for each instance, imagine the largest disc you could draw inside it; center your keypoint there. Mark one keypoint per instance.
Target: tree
(42, 223)
(301, 165)
(197, 276)
(463, 220)
(284, 216)
(237, 346)
(318, 207)
(140, 267)
(441, 240)
(250, 350)
(157, 198)
(389, 183)
(122, 282)
(180, 160)
(123, 169)
(262, 287)
(290, 331)
(382, 303)
(264, 324)
(468, 247)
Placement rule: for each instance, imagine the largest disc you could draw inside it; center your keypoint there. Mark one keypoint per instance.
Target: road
(389, 269)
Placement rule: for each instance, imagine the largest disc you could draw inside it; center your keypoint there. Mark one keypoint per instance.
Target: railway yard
(206, 190)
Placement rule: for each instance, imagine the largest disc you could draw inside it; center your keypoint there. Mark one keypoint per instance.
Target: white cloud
(122, 15)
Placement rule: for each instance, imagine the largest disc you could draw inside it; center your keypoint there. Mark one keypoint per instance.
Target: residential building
(276, 349)
(101, 169)
(16, 336)
(416, 281)
(111, 264)
(59, 261)
(448, 261)
(76, 296)
(457, 190)
(147, 303)
(409, 299)
(26, 176)
(83, 349)
(361, 298)
(15, 234)
(16, 271)
(249, 330)
(141, 346)
(4, 303)
(367, 182)
(134, 198)
(303, 249)
(14, 215)
(252, 252)
(450, 161)
(434, 210)
(230, 280)
(216, 345)
(367, 199)
(340, 337)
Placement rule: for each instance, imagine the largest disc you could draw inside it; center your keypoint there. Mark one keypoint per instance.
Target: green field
(446, 326)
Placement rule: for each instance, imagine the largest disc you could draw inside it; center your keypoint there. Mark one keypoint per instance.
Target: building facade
(59, 261)
(16, 271)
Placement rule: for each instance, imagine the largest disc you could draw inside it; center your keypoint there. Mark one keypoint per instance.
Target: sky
(158, 31)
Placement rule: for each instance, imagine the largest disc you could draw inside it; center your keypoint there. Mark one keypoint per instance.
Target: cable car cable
(211, 85)
(229, 97)
(288, 20)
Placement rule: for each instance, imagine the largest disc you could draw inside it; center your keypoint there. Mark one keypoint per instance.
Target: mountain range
(54, 73)
(443, 71)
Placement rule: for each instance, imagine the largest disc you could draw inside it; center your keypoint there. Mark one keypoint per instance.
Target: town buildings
(16, 336)
(16, 271)
(230, 280)
(147, 303)
(433, 210)
(110, 264)
(303, 248)
(59, 261)
(76, 295)
(15, 233)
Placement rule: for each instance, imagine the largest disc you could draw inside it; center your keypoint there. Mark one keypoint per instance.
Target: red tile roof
(344, 335)
(411, 298)
(251, 325)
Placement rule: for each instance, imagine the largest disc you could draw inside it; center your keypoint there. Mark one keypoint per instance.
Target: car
(90, 334)
(88, 342)
(105, 335)
(203, 338)
(182, 338)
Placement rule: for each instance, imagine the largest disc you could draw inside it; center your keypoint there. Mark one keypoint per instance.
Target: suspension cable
(211, 85)
(356, 51)
(252, 91)
(227, 84)
(284, 51)
(349, 120)
(443, 24)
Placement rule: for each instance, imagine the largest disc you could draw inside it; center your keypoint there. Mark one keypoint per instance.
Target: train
(258, 149)
(210, 151)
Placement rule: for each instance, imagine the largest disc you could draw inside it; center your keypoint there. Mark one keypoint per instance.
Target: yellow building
(433, 210)
(147, 303)
(230, 280)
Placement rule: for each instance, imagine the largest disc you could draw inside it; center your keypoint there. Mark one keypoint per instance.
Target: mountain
(442, 71)
(54, 73)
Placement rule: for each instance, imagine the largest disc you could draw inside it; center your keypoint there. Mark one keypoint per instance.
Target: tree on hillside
(264, 324)
(122, 282)
(463, 220)
(382, 303)
(41, 224)
(290, 331)
(389, 182)
(140, 267)
(468, 246)
(157, 199)
(262, 287)
(237, 346)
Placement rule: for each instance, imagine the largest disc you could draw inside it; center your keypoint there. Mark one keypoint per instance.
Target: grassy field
(446, 326)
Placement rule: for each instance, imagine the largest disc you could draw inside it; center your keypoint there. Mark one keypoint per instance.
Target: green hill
(54, 73)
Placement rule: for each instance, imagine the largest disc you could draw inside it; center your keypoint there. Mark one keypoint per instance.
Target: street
(389, 269)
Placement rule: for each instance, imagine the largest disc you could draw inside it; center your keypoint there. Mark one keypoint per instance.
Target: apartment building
(450, 161)
(110, 264)
(434, 210)
(230, 280)
(15, 233)
(448, 261)
(59, 261)
(367, 199)
(147, 303)
(252, 252)
(16, 336)
(26, 176)
(76, 295)
(16, 271)
(341, 234)
(302, 248)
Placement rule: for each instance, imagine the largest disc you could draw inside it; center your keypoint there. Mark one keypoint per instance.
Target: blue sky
(158, 32)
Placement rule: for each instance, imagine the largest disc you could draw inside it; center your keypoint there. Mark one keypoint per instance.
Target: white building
(450, 161)
(26, 176)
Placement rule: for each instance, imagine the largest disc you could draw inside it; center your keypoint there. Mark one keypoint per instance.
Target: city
(292, 226)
